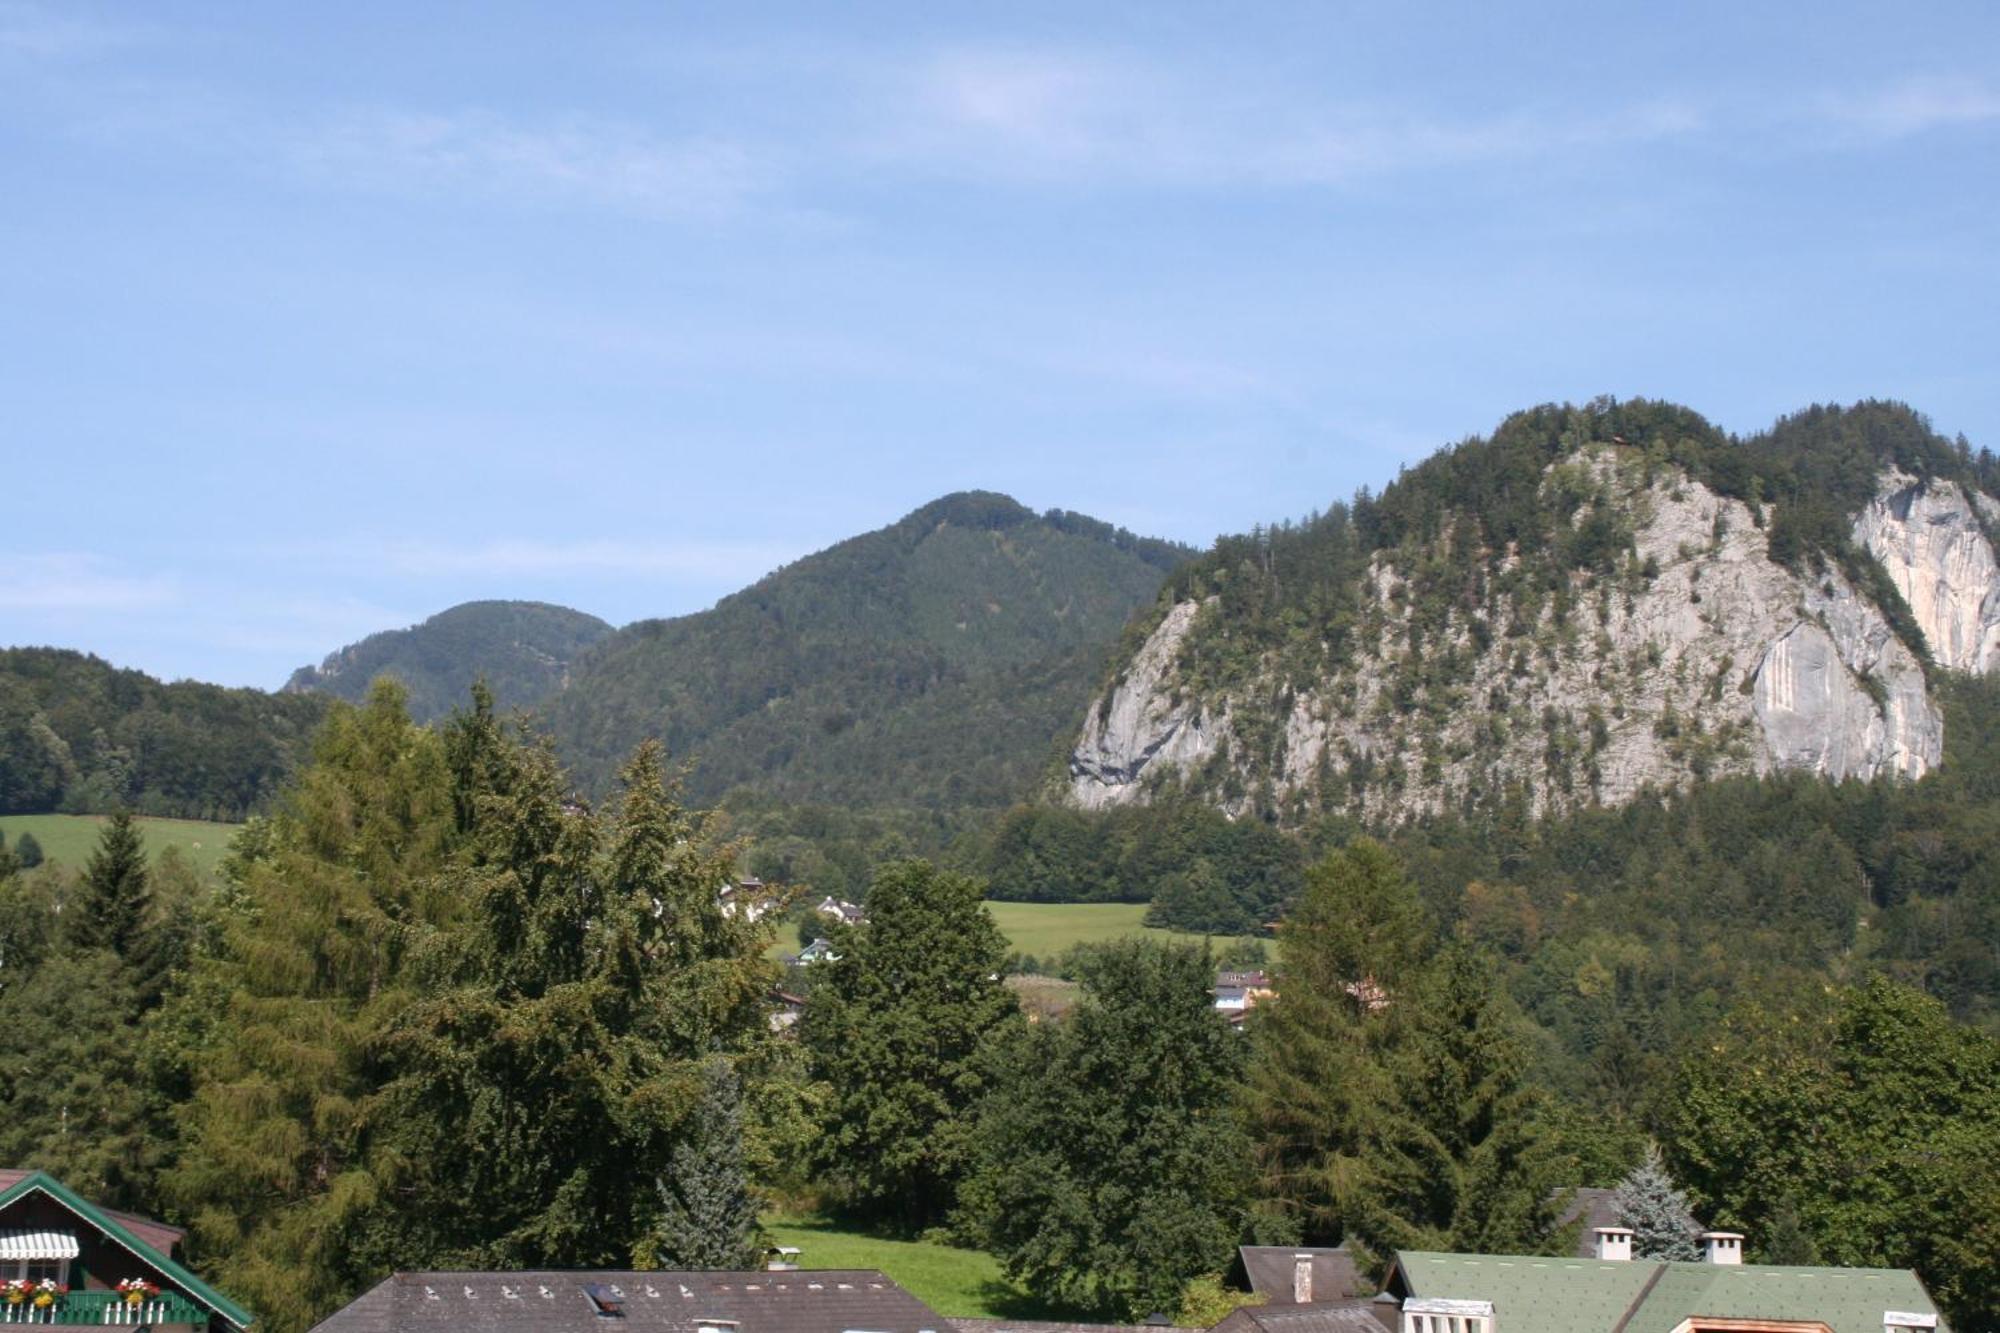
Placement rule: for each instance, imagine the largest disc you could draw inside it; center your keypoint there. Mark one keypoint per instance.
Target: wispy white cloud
(1917, 106)
(567, 161)
(1059, 115)
(720, 560)
(70, 581)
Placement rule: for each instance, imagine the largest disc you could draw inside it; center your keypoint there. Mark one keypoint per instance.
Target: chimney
(1723, 1247)
(1614, 1244)
(1302, 1279)
(1905, 1321)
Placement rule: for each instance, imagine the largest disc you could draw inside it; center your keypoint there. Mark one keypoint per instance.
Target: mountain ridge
(522, 649)
(1593, 602)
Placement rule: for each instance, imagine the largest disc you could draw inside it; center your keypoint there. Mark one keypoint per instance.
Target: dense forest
(521, 650)
(79, 735)
(358, 1050)
(927, 666)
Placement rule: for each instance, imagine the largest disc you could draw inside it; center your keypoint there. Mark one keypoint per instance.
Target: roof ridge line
(1659, 1271)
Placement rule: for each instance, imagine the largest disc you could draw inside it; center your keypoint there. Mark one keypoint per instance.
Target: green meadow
(1044, 930)
(966, 1283)
(69, 838)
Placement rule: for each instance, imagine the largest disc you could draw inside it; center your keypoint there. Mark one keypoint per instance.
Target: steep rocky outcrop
(1931, 539)
(1695, 655)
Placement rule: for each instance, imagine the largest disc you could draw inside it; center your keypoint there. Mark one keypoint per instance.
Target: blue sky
(319, 319)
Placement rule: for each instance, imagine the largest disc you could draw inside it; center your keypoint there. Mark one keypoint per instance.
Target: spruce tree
(708, 1212)
(554, 1060)
(1461, 1160)
(1316, 1085)
(28, 851)
(112, 910)
(1662, 1223)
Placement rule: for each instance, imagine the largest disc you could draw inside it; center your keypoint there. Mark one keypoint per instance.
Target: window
(35, 1270)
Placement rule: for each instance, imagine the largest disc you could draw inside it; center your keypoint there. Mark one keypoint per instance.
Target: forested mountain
(1593, 602)
(77, 733)
(933, 663)
(522, 650)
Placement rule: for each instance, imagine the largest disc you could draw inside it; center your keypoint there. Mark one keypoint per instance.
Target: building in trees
(66, 1261)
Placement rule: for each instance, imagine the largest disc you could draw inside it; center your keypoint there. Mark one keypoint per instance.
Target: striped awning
(19, 1245)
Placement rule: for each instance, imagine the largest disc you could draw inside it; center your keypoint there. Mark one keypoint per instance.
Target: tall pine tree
(557, 1057)
(113, 906)
(1317, 1086)
(1461, 1160)
(708, 1212)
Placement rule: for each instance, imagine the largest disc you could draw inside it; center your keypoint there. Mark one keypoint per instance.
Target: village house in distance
(66, 1262)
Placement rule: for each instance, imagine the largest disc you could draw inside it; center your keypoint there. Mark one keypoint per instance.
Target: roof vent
(608, 1300)
(1905, 1321)
(716, 1325)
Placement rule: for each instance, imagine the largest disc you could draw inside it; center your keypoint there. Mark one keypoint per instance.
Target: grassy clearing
(951, 1281)
(1044, 930)
(70, 838)
(1047, 929)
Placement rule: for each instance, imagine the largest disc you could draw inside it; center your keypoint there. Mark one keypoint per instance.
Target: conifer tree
(112, 909)
(708, 1212)
(1461, 1160)
(275, 1170)
(1317, 1086)
(28, 851)
(1662, 1223)
(554, 1061)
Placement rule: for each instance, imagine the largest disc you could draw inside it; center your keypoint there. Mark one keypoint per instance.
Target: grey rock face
(1928, 536)
(1719, 662)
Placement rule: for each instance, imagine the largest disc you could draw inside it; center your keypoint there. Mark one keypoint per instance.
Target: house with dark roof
(559, 1301)
(1301, 1274)
(64, 1260)
(1353, 1314)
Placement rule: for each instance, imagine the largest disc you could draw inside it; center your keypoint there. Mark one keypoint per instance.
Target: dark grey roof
(1059, 1326)
(1595, 1208)
(800, 1301)
(1353, 1315)
(1270, 1269)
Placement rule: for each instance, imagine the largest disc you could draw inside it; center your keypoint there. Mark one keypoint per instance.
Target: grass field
(951, 1281)
(69, 838)
(1043, 930)
(1046, 929)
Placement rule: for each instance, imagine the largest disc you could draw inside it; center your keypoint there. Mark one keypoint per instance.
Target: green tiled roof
(1553, 1295)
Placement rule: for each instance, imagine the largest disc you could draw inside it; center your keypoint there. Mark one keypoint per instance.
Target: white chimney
(1302, 1279)
(1614, 1244)
(1723, 1247)
(1905, 1321)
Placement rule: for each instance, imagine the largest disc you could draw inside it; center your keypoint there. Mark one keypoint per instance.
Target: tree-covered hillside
(932, 663)
(80, 735)
(1576, 606)
(521, 649)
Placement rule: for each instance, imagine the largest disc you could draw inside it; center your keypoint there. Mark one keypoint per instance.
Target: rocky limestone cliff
(1930, 538)
(1699, 657)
